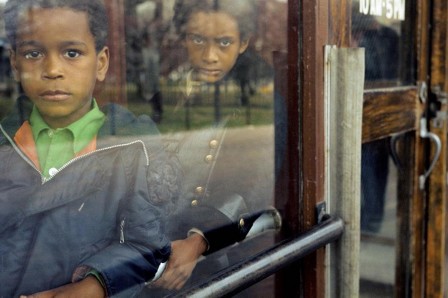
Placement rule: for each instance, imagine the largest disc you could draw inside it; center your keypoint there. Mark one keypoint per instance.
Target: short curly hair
(95, 10)
(244, 12)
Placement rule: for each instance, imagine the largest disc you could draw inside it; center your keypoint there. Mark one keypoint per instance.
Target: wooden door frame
(420, 212)
(437, 186)
(314, 37)
(307, 37)
(113, 89)
(415, 261)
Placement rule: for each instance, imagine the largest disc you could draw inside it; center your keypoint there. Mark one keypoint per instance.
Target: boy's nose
(210, 54)
(52, 68)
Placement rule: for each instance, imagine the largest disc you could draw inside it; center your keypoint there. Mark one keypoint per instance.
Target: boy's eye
(33, 55)
(72, 54)
(225, 42)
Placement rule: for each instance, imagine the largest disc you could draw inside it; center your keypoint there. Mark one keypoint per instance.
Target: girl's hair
(244, 12)
(96, 13)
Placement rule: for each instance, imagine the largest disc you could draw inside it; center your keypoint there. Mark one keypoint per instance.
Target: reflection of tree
(133, 44)
(381, 46)
(382, 51)
(271, 35)
(2, 25)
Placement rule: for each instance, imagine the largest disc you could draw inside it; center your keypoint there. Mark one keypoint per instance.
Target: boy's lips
(54, 95)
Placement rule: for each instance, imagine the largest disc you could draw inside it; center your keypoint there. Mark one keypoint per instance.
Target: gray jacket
(102, 211)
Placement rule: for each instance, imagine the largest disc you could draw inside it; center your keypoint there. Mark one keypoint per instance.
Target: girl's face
(213, 44)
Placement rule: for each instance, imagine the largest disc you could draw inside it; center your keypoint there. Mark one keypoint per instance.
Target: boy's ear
(244, 44)
(102, 64)
(13, 62)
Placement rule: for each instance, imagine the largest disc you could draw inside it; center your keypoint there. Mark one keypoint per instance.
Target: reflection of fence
(220, 96)
(230, 94)
(6, 80)
(210, 99)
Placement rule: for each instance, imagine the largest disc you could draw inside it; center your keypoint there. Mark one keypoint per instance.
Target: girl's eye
(196, 39)
(72, 54)
(33, 55)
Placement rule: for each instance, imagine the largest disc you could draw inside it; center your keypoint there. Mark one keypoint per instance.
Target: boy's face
(213, 44)
(56, 63)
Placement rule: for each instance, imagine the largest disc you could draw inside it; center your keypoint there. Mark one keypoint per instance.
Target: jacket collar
(119, 122)
(15, 119)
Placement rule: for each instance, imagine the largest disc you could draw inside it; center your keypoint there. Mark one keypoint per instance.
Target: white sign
(391, 9)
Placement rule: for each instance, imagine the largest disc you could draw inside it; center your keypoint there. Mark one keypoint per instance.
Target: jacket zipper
(101, 150)
(122, 223)
(44, 180)
(23, 156)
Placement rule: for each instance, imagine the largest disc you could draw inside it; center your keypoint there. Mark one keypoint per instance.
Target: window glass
(207, 78)
(379, 178)
(201, 73)
(382, 28)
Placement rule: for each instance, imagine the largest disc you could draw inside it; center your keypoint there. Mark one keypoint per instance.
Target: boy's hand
(88, 287)
(184, 256)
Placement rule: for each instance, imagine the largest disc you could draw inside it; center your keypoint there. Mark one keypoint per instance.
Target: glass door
(403, 173)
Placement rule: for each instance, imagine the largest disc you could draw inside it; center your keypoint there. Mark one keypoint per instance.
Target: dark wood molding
(384, 113)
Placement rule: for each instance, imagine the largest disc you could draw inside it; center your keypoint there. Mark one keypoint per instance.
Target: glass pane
(378, 220)
(383, 28)
(205, 73)
(201, 74)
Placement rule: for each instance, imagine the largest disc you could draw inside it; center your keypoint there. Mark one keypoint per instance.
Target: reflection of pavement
(377, 256)
(246, 165)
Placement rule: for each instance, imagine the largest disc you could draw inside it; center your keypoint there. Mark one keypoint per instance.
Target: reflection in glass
(384, 38)
(206, 79)
(214, 104)
(378, 220)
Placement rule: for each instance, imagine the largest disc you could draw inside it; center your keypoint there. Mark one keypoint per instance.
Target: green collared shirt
(55, 147)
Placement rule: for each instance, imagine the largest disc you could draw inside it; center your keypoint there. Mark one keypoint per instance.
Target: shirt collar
(83, 130)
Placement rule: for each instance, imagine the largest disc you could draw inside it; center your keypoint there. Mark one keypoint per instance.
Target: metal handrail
(239, 277)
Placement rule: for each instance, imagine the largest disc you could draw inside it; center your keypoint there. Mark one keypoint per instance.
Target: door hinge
(439, 111)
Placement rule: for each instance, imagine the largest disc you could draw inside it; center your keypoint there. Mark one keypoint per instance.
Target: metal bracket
(440, 113)
(321, 212)
(423, 91)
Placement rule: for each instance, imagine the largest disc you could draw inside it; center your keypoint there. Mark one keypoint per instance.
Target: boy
(79, 208)
(215, 33)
